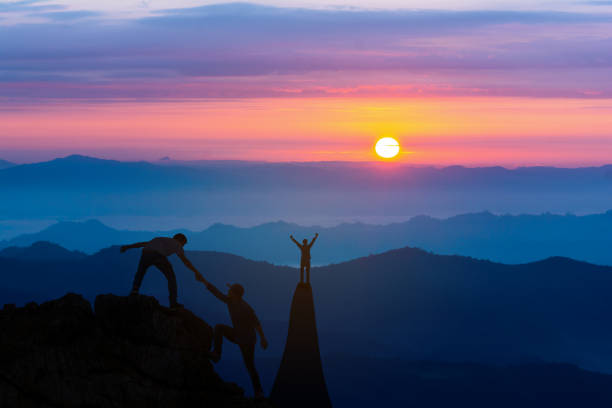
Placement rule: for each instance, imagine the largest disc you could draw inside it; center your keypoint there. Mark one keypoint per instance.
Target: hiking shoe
(134, 292)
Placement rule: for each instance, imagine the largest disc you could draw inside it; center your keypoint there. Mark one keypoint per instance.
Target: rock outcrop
(300, 381)
(129, 352)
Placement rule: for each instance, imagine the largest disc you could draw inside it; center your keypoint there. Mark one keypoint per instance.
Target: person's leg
(301, 272)
(220, 331)
(143, 265)
(248, 355)
(308, 272)
(166, 268)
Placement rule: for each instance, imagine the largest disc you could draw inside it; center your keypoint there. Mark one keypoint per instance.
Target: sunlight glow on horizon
(469, 83)
(440, 131)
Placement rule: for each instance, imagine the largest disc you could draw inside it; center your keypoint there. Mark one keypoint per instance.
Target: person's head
(304, 241)
(181, 238)
(235, 290)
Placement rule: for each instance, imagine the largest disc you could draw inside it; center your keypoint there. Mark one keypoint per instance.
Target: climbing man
(243, 333)
(155, 253)
(305, 259)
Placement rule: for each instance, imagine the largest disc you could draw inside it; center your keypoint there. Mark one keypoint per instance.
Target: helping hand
(123, 249)
(264, 343)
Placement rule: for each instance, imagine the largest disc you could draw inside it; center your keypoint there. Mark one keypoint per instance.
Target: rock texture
(129, 352)
(300, 381)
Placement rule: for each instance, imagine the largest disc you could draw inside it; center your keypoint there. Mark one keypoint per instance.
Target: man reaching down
(155, 253)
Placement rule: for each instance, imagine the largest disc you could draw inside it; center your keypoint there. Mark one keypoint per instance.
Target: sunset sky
(461, 82)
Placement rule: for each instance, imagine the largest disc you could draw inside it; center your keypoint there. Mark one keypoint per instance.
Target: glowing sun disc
(387, 147)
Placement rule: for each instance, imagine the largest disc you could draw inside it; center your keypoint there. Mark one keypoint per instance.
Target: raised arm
(296, 243)
(313, 240)
(136, 245)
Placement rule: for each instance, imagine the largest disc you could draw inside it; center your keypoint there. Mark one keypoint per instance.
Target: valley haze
(78, 187)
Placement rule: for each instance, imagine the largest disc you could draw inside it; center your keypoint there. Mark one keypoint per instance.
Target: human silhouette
(243, 333)
(155, 253)
(305, 258)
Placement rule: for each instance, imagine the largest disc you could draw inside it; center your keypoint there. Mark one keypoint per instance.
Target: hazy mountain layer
(79, 187)
(405, 303)
(508, 239)
(5, 164)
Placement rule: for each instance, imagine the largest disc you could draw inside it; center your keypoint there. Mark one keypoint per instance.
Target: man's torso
(244, 320)
(165, 246)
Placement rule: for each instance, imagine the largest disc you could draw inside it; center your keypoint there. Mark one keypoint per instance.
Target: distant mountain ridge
(96, 173)
(6, 164)
(500, 238)
(41, 251)
(79, 186)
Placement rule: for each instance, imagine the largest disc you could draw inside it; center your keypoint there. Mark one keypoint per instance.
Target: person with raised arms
(305, 258)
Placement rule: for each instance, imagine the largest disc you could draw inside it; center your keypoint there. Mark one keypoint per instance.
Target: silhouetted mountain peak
(221, 226)
(41, 251)
(556, 261)
(80, 158)
(300, 381)
(89, 225)
(5, 164)
(76, 161)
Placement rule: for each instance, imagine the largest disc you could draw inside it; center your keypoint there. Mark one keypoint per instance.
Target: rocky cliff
(300, 382)
(126, 352)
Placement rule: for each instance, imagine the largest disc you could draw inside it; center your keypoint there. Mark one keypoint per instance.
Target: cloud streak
(245, 50)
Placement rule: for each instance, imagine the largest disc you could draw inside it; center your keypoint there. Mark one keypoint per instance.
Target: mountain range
(406, 303)
(41, 251)
(500, 238)
(79, 186)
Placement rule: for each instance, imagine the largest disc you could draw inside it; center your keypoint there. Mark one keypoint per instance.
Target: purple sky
(98, 54)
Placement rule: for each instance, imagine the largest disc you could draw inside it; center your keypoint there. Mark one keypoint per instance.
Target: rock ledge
(130, 352)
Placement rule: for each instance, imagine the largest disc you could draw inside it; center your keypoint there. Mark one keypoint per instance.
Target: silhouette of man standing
(155, 253)
(305, 258)
(243, 333)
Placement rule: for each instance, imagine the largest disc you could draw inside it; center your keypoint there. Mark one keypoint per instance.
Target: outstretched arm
(296, 243)
(313, 240)
(136, 245)
(188, 264)
(222, 297)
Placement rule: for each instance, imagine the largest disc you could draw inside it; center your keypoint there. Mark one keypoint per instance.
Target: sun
(387, 147)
